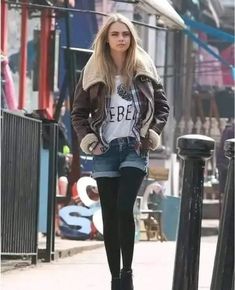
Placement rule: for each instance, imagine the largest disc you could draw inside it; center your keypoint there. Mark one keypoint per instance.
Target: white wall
(227, 3)
(125, 9)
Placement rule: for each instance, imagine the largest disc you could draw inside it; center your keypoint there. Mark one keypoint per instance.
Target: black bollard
(223, 272)
(194, 150)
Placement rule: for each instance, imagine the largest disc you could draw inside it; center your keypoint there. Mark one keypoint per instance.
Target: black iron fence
(20, 167)
(50, 142)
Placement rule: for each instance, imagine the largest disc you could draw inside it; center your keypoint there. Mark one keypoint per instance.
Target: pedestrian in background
(119, 112)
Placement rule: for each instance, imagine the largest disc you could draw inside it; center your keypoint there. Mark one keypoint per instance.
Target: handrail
(39, 6)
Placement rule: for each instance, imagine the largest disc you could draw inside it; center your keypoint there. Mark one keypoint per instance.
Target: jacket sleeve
(81, 111)
(161, 108)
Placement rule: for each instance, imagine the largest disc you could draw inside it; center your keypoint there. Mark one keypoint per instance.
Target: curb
(23, 263)
(75, 250)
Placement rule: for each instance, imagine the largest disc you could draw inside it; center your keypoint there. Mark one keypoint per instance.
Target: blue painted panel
(83, 28)
(43, 191)
(170, 217)
(233, 72)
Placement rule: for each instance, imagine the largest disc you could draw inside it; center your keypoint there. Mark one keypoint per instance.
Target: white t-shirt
(121, 113)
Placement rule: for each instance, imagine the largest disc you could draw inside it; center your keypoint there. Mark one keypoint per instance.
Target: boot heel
(127, 280)
(115, 284)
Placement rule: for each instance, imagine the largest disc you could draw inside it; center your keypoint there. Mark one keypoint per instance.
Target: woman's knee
(125, 214)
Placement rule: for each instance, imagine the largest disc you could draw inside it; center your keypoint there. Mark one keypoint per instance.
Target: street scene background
(51, 225)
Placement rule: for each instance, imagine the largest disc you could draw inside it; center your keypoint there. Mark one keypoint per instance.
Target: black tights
(117, 196)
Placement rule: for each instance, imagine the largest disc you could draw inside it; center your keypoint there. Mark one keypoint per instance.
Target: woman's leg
(129, 184)
(108, 191)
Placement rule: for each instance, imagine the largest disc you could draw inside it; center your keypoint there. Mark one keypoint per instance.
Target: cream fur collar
(145, 66)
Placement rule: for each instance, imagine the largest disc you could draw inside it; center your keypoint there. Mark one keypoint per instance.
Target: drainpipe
(4, 27)
(23, 53)
(45, 100)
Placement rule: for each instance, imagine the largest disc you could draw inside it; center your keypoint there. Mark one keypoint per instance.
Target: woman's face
(119, 37)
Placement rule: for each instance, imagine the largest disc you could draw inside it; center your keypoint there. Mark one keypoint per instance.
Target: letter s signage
(77, 217)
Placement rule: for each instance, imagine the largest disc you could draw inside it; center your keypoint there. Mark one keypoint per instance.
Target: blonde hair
(103, 59)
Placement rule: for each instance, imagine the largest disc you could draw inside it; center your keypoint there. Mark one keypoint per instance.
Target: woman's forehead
(118, 26)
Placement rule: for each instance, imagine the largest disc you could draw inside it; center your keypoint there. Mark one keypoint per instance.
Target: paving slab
(63, 248)
(153, 267)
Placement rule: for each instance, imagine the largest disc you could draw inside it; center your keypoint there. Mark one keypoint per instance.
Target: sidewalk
(63, 248)
(153, 269)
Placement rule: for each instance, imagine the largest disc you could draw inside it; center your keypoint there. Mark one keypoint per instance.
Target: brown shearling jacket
(88, 111)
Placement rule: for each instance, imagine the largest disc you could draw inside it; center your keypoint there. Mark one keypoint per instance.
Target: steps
(209, 227)
(210, 217)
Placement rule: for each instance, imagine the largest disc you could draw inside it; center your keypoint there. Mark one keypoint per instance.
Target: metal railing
(20, 167)
(50, 140)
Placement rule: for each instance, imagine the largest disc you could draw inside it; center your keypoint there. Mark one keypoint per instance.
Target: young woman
(119, 111)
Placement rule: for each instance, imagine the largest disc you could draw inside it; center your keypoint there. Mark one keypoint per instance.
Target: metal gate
(20, 167)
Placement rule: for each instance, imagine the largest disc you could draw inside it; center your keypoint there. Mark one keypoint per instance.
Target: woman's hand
(98, 149)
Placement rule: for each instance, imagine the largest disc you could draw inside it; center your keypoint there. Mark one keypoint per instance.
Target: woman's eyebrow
(124, 31)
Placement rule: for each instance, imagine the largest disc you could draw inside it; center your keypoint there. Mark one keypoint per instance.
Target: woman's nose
(121, 37)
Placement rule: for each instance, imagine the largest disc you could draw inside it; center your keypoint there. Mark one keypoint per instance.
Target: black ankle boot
(115, 284)
(126, 280)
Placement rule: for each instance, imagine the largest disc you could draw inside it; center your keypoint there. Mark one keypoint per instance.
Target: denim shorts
(122, 152)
